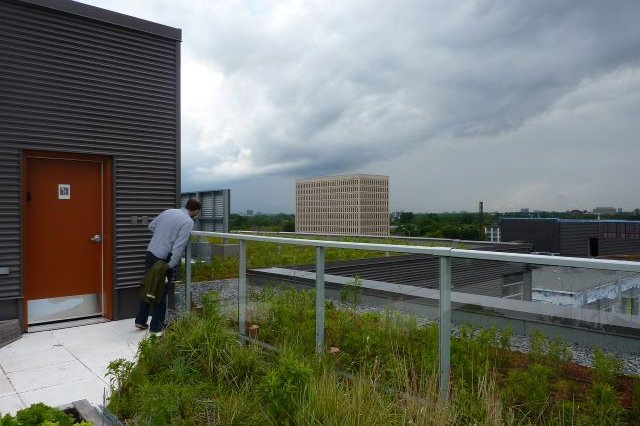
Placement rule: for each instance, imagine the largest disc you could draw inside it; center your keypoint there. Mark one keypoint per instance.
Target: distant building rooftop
(556, 219)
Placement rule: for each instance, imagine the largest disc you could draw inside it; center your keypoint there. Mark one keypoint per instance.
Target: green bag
(153, 283)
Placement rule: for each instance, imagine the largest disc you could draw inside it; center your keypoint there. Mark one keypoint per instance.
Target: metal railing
(445, 255)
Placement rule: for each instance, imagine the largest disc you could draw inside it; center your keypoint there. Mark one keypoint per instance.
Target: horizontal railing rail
(444, 253)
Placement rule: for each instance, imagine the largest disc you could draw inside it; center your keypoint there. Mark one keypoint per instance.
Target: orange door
(63, 229)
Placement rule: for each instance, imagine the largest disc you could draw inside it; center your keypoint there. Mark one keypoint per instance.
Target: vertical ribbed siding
(214, 214)
(75, 84)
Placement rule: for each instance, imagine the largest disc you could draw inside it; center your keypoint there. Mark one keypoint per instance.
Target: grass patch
(262, 255)
(384, 374)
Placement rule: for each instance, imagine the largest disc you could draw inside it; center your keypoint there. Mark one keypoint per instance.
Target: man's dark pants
(158, 310)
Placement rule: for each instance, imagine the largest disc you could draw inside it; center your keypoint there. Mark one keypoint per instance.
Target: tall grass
(384, 374)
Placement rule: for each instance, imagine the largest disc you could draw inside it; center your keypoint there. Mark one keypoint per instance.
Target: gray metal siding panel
(10, 222)
(74, 84)
(541, 233)
(611, 246)
(574, 238)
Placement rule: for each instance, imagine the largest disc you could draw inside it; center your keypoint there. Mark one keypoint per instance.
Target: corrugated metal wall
(9, 220)
(574, 238)
(70, 83)
(543, 234)
(214, 215)
(612, 246)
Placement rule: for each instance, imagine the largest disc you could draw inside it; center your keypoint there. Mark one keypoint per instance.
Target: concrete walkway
(61, 366)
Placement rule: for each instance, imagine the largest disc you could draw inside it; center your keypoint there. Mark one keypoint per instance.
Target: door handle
(96, 238)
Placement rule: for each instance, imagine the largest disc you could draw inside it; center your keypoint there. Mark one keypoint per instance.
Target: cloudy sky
(530, 103)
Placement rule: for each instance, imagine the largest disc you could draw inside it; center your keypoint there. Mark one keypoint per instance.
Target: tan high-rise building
(344, 204)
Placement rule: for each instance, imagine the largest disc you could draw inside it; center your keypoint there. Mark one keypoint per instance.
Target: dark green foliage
(635, 402)
(283, 387)
(39, 414)
(603, 407)
(198, 373)
(263, 222)
(473, 354)
(606, 367)
(537, 341)
(567, 413)
(558, 355)
(8, 420)
(530, 389)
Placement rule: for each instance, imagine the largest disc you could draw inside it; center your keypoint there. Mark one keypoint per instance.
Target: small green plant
(606, 367)
(505, 338)
(40, 414)
(119, 373)
(537, 341)
(559, 354)
(566, 413)
(530, 389)
(284, 387)
(603, 407)
(351, 293)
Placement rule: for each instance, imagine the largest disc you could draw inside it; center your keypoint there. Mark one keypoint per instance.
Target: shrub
(537, 342)
(40, 414)
(603, 407)
(559, 354)
(606, 367)
(283, 388)
(529, 388)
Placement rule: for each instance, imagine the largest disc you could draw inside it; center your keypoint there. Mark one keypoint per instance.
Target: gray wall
(80, 79)
(571, 237)
(216, 205)
(543, 234)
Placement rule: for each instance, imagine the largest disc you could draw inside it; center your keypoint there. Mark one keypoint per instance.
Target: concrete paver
(58, 367)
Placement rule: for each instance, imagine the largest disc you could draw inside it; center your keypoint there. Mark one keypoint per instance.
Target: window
(513, 287)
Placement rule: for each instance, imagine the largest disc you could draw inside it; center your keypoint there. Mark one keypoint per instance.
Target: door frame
(107, 223)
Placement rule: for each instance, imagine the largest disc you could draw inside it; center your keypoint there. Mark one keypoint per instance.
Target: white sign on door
(64, 191)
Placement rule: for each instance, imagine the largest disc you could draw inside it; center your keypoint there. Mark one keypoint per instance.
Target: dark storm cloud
(302, 88)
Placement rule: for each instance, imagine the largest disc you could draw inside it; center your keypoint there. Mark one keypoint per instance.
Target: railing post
(319, 299)
(242, 289)
(445, 327)
(187, 278)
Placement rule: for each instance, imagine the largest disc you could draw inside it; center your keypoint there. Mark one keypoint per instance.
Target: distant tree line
(470, 226)
(463, 226)
(280, 222)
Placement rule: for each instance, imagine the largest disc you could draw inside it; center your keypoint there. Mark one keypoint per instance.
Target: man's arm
(154, 222)
(181, 242)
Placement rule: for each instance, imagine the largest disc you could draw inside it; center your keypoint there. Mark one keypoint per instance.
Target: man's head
(193, 206)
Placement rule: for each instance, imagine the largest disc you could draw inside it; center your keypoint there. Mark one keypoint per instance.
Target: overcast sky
(515, 103)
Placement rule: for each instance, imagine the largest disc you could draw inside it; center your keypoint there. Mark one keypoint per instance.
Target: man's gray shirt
(171, 231)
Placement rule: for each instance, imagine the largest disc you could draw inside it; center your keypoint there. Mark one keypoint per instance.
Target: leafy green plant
(40, 414)
(505, 338)
(603, 407)
(283, 388)
(386, 373)
(530, 389)
(559, 354)
(606, 367)
(351, 293)
(537, 341)
(567, 413)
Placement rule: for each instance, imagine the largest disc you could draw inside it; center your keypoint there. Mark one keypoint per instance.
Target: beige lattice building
(345, 204)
